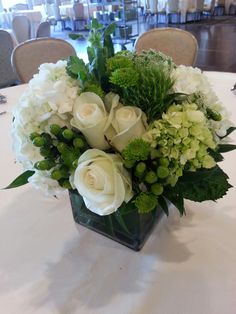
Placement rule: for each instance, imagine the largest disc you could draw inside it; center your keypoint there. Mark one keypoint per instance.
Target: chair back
(199, 5)
(44, 30)
(180, 45)
(21, 28)
(78, 10)
(56, 11)
(153, 6)
(7, 75)
(172, 6)
(28, 56)
(20, 6)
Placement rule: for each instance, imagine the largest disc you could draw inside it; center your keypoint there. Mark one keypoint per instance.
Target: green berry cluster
(61, 149)
(150, 176)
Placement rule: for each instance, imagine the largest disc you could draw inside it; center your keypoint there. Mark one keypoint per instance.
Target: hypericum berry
(140, 169)
(78, 142)
(34, 135)
(157, 189)
(68, 134)
(128, 164)
(65, 184)
(45, 151)
(164, 162)
(150, 177)
(38, 141)
(62, 147)
(155, 153)
(55, 129)
(44, 165)
(213, 114)
(47, 139)
(162, 172)
(56, 174)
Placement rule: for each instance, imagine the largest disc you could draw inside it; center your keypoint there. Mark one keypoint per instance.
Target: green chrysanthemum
(94, 88)
(137, 150)
(124, 78)
(146, 202)
(118, 62)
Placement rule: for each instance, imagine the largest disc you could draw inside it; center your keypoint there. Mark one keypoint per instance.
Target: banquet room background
(214, 28)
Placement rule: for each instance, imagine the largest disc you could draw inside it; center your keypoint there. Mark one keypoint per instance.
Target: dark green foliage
(223, 148)
(21, 179)
(230, 130)
(203, 185)
(151, 93)
(176, 198)
(94, 88)
(163, 204)
(77, 69)
(76, 36)
(216, 155)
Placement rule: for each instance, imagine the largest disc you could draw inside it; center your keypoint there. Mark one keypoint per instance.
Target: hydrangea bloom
(48, 99)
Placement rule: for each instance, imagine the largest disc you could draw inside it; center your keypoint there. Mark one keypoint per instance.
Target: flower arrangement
(125, 130)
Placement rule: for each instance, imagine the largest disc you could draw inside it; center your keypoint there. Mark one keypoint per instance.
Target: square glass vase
(128, 228)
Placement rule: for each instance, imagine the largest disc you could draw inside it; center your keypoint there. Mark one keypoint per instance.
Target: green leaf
(202, 185)
(176, 198)
(109, 45)
(223, 148)
(76, 36)
(21, 179)
(76, 68)
(109, 224)
(216, 155)
(95, 24)
(91, 54)
(230, 130)
(127, 208)
(101, 63)
(121, 221)
(110, 29)
(163, 204)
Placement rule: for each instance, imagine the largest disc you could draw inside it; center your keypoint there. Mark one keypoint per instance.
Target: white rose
(128, 122)
(90, 117)
(102, 181)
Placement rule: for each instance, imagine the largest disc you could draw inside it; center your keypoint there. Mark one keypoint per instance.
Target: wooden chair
(44, 30)
(173, 11)
(28, 56)
(7, 75)
(79, 18)
(180, 45)
(21, 28)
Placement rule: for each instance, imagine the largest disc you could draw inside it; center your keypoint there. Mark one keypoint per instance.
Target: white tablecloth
(47, 266)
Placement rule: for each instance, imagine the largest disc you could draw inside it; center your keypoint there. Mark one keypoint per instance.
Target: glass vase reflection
(125, 226)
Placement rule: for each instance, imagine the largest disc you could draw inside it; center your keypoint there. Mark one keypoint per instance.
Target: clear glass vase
(128, 228)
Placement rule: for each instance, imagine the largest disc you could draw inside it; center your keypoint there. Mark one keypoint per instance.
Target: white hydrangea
(48, 99)
(189, 80)
(41, 180)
